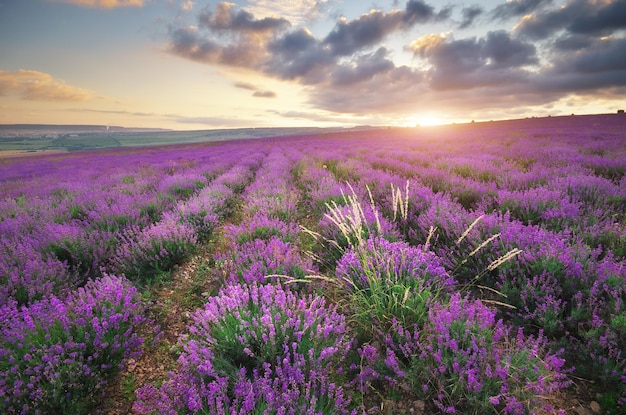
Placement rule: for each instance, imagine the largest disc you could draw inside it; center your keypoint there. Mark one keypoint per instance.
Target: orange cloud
(39, 86)
(105, 4)
(427, 42)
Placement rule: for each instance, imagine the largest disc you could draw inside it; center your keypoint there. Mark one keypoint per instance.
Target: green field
(99, 140)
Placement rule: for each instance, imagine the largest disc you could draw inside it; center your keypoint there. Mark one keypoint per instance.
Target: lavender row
(259, 345)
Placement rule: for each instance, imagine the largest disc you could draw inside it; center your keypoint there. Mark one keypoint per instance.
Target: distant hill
(20, 139)
(18, 130)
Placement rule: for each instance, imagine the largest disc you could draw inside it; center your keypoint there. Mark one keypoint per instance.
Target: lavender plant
(56, 355)
(27, 275)
(257, 349)
(254, 260)
(261, 226)
(204, 211)
(392, 281)
(143, 254)
(464, 360)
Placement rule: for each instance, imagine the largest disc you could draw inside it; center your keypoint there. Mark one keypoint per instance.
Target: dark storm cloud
(602, 18)
(469, 15)
(506, 52)
(517, 8)
(226, 18)
(576, 17)
(418, 12)
(572, 43)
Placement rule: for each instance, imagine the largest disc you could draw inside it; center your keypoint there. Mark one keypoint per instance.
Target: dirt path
(172, 302)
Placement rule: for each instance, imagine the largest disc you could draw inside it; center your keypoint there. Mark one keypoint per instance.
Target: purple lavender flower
(254, 260)
(490, 366)
(59, 353)
(256, 347)
(144, 253)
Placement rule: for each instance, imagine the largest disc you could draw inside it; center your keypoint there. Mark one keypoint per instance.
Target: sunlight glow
(428, 119)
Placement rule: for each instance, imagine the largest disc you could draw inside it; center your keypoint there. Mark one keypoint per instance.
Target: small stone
(205, 294)
(581, 410)
(595, 407)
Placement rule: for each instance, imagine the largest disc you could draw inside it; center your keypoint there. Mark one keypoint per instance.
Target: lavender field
(474, 269)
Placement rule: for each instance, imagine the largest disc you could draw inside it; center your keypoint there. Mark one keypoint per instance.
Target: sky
(201, 64)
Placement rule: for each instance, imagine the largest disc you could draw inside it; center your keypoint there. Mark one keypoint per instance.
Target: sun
(424, 119)
(428, 119)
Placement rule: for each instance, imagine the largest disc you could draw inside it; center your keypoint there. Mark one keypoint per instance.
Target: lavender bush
(254, 260)
(263, 227)
(464, 360)
(392, 281)
(27, 275)
(257, 349)
(143, 254)
(56, 355)
(205, 210)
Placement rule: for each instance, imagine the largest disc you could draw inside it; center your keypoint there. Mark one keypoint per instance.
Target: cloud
(245, 85)
(590, 17)
(227, 19)
(601, 64)
(187, 5)
(258, 93)
(469, 15)
(324, 117)
(116, 112)
(104, 4)
(298, 55)
(391, 91)
(264, 94)
(295, 11)
(227, 37)
(349, 70)
(516, 8)
(39, 86)
(495, 59)
(369, 29)
(245, 52)
(233, 37)
(362, 69)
